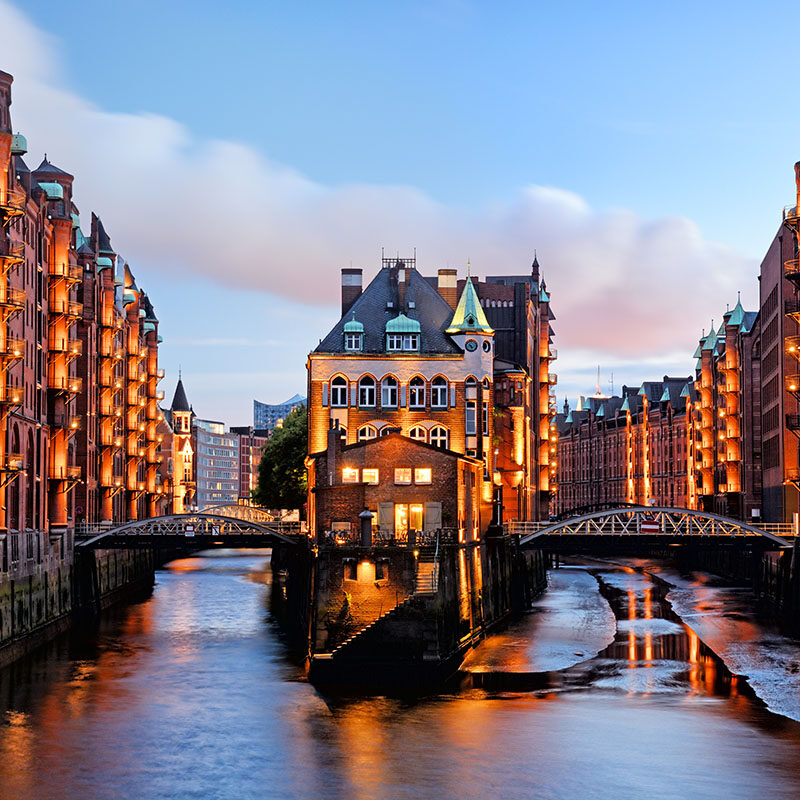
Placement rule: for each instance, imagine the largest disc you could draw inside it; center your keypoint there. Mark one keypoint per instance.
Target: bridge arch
(671, 522)
(199, 526)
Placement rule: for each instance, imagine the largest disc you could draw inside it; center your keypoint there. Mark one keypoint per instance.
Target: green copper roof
(626, 406)
(400, 324)
(543, 296)
(642, 391)
(103, 262)
(665, 396)
(569, 417)
(601, 412)
(54, 191)
(76, 221)
(710, 340)
(737, 315)
(686, 391)
(699, 351)
(19, 145)
(469, 315)
(353, 326)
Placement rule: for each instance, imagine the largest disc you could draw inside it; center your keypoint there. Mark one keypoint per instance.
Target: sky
(241, 155)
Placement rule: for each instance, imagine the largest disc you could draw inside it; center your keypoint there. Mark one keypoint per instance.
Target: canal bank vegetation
(282, 479)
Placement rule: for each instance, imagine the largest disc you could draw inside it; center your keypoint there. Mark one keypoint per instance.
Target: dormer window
(402, 334)
(411, 341)
(394, 341)
(352, 341)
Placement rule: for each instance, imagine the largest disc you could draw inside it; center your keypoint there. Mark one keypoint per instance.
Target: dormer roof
(469, 316)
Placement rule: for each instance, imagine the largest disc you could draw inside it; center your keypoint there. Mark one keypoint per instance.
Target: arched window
(416, 393)
(470, 382)
(366, 392)
(30, 471)
(440, 437)
(486, 384)
(14, 489)
(418, 433)
(439, 393)
(389, 392)
(339, 392)
(386, 430)
(367, 432)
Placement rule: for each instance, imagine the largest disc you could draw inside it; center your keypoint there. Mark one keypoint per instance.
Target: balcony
(14, 462)
(110, 381)
(13, 349)
(110, 482)
(160, 395)
(65, 384)
(12, 205)
(11, 395)
(66, 308)
(791, 383)
(791, 216)
(12, 299)
(793, 422)
(791, 308)
(791, 269)
(72, 273)
(13, 258)
(65, 344)
(110, 439)
(65, 473)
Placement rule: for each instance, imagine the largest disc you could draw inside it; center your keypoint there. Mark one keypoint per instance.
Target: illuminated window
(402, 475)
(339, 392)
(352, 341)
(440, 437)
(419, 433)
(394, 341)
(349, 475)
(389, 392)
(416, 393)
(366, 392)
(369, 475)
(367, 432)
(422, 475)
(439, 393)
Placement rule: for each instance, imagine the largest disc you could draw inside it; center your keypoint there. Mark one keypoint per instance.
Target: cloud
(621, 285)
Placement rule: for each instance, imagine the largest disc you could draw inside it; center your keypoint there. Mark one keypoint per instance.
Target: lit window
(394, 341)
(439, 437)
(402, 475)
(389, 393)
(352, 341)
(366, 392)
(416, 393)
(339, 392)
(411, 341)
(422, 475)
(439, 393)
(369, 475)
(349, 475)
(419, 433)
(367, 432)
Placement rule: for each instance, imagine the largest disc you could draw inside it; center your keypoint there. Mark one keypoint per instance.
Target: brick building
(421, 355)
(79, 351)
(626, 449)
(251, 443)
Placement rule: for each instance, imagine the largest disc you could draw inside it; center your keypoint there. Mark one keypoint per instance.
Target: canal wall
(48, 588)
(388, 618)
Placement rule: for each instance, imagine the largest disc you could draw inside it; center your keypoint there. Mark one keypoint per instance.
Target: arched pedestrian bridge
(655, 524)
(199, 530)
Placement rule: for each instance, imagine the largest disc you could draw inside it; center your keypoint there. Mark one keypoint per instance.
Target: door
(401, 521)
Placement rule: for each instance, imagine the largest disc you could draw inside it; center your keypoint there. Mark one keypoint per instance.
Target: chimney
(448, 287)
(402, 278)
(351, 288)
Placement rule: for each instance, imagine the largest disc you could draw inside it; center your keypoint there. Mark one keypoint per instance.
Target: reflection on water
(190, 695)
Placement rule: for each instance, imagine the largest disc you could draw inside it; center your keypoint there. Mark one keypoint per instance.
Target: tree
(282, 479)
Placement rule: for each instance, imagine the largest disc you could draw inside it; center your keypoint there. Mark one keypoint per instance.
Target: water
(601, 692)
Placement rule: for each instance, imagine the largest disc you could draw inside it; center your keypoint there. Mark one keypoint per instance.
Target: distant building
(251, 443)
(216, 464)
(267, 417)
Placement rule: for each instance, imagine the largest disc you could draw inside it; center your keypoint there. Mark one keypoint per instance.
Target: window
(352, 341)
(419, 433)
(470, 383)
(389, 392)
(470, 422)
(486, 384)
(422, 475)
(394, 341)
(411, 341)
(369, 475)
(386, 430)
(339, 392)
(439, 393)
(485, 418)
(350, 475)
(439, 437)
(416, 393)
(367, 432)
(402, 475)
(366, 392)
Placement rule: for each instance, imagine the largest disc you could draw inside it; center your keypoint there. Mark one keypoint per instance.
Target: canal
(601, 692)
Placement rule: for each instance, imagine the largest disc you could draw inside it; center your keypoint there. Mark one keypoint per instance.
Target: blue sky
(645, 151)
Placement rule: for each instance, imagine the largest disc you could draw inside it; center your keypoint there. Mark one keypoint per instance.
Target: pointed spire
(179, 401)
(469, 314)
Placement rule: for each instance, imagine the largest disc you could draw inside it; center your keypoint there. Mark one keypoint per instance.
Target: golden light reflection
(631, 605)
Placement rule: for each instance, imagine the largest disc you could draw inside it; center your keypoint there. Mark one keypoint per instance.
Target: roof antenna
(469, 268)
(179, 372)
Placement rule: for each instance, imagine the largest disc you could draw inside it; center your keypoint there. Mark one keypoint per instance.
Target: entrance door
(415, 517)
(401, 521)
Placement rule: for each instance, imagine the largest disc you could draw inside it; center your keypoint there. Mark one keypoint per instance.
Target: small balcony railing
(66, 473)
(10, 395)
(792, 384)
(65, 344)
(110, 439)
(12, 205)
(12, 299)
(13, 257)
(13, 349)
(70, 272)
(14, 462)
(791, 308)
(66, 308)
(791, 269)
(65, 384)
(793, 422)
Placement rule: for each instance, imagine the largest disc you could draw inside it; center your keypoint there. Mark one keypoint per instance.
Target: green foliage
(282, 473)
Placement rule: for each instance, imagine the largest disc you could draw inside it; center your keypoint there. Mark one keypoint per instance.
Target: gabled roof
(103, 239)
(736, 317)
(423, 304)
(710, 341)
(50, 169)
(469, 316)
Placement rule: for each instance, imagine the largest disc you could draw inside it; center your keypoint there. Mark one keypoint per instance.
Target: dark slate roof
(179, 401)
(149, 311)
(430, 310)
(50, 169)
(85, 249)
(103, 239)
(20, 165)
